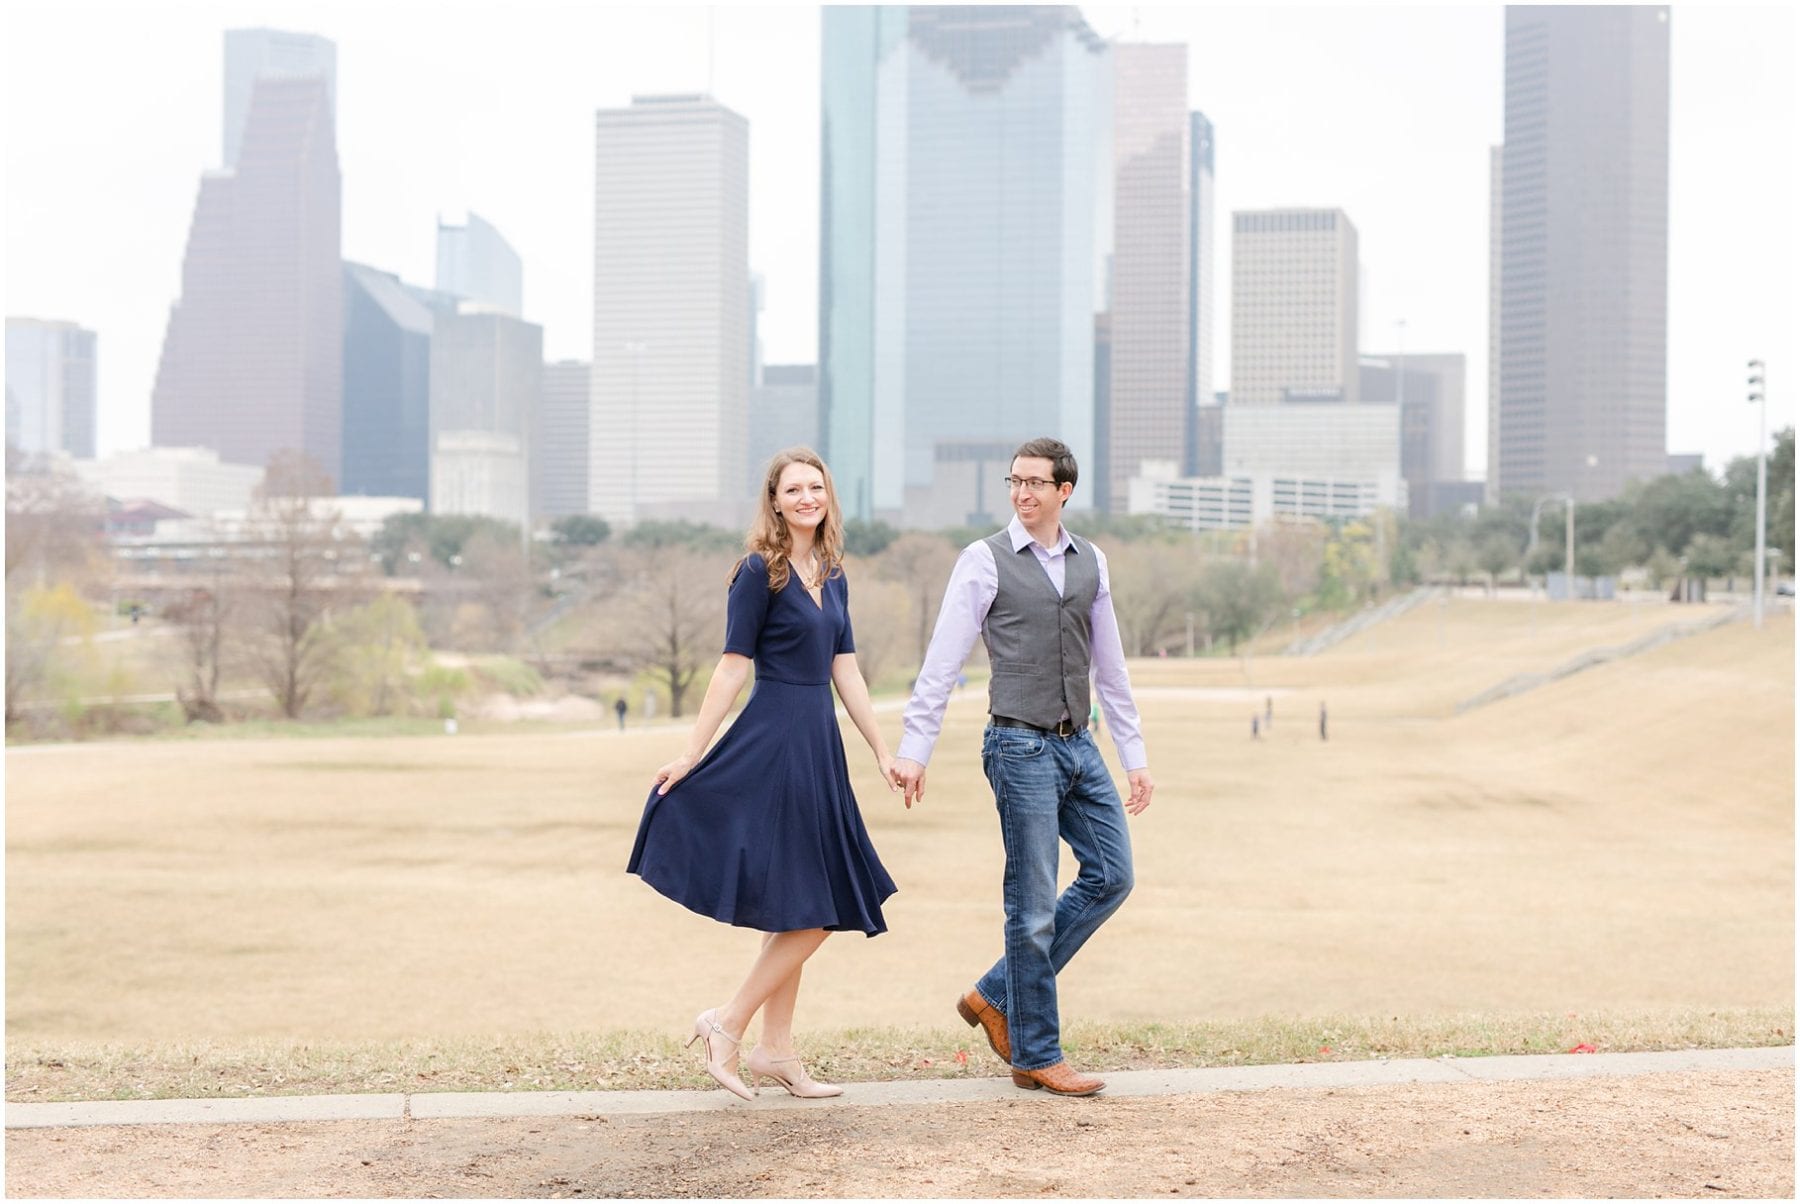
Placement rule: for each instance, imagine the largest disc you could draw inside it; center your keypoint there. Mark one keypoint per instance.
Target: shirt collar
(1016, 531)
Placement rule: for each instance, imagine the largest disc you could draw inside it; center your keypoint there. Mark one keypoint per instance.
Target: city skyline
(437, 149)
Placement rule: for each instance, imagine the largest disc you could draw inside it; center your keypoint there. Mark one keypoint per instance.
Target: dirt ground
(1705, 1135)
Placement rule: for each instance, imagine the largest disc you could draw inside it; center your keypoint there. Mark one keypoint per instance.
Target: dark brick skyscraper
(252, 362)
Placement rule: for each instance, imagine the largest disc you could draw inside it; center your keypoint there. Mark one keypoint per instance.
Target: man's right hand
(909, 775)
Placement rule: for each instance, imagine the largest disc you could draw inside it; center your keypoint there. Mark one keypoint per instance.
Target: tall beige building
(1145, 414)
(671, 327)
(1293, 307)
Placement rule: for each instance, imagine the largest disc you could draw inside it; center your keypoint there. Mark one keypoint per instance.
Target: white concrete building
(190, 479)
(671, 326)
(480, 472)
(1241, 502)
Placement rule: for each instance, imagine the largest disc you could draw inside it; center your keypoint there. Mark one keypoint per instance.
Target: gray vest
(1038, 643)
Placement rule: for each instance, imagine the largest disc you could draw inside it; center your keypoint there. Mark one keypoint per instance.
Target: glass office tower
(966, 224)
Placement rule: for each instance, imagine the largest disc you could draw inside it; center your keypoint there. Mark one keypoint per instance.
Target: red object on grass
(1584, 1047)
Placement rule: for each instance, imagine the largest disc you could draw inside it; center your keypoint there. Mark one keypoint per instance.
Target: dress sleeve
(746, 606)
(846, 641)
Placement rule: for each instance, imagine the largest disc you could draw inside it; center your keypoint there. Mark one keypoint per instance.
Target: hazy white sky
(113, 111)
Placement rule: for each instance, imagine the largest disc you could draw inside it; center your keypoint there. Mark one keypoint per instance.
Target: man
(1040, 600)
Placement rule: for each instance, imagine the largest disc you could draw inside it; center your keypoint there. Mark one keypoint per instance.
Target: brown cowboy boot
(978, 1011)
(1058, 1079)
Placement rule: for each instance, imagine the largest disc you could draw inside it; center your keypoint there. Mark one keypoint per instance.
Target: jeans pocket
(1018, 745)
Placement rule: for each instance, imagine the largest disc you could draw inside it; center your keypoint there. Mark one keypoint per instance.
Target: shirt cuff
(1132, 756)
(914, 748)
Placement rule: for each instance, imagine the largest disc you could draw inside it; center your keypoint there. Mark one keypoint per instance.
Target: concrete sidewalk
(448, 1105)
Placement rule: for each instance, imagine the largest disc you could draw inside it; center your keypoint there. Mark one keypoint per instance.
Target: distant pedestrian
(1322, 735)
(1255, 726)
(619, 709)
(1269, 713)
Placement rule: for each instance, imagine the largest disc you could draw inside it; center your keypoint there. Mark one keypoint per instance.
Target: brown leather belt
(1064, 728)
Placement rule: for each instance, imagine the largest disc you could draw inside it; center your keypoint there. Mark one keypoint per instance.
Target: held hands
(909, 776)
(673, 772)
(1141, 788)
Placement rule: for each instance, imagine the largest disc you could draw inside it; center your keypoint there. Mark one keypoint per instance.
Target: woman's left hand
(885, 762)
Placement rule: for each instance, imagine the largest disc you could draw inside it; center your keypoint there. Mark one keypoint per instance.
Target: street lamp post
(1759, 395)
(1568, 536)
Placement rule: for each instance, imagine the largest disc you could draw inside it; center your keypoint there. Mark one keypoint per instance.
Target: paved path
(460, 1105)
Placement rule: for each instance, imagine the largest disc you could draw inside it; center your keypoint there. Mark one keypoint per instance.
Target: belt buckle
(1065, 728)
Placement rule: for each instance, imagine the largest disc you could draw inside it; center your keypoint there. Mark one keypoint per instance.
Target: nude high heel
(791, 1074)
(706, 1027)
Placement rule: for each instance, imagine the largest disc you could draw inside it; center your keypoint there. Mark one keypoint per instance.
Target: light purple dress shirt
(973, 584)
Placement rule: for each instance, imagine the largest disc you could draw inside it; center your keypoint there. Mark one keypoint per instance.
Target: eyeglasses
(1035, 484)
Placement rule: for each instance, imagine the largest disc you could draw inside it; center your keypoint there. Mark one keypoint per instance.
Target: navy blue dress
(765, 832)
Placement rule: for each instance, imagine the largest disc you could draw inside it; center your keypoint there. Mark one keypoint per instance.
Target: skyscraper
(474, 263)
(784, 411)
(1584, 235)
(1491, 483)
(1293, 307)
(559, 468)
(1147, 403)
(51, 395)
(966, 223)
(671, 318)
(1200, 295)
(387, 384)
(252, 362)
(486, 378)
(253, 54)
(1429, 389)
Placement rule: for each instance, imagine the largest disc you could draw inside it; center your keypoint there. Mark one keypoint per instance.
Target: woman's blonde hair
(769, 533)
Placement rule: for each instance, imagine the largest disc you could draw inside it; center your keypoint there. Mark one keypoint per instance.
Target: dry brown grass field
(1619, 840)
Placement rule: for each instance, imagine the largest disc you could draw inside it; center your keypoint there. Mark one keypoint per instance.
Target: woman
(763, 831)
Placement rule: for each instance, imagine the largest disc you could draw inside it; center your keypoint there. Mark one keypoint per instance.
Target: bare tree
(881, 610)
(200, 619)
(499, 581)
(671, 615)
(1295, 549)
(54, 523)
(1152, 589)
(303, 557)
(53, 547)
(922, 564)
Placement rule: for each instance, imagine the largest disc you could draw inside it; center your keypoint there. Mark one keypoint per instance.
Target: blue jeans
(1046, 787)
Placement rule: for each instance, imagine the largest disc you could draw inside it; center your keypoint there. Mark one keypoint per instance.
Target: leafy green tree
(682, 533)
(1709, 556)
(580, 530)
(1619, 549)
(382, 652)
(1669, 511)
(442, 537)
(1496, 552)
(863, 537)
(1237, 598)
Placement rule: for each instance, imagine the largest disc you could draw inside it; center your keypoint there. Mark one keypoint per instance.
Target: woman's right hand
(673, 772)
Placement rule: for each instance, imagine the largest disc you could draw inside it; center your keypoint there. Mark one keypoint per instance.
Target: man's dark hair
(1055, 451)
